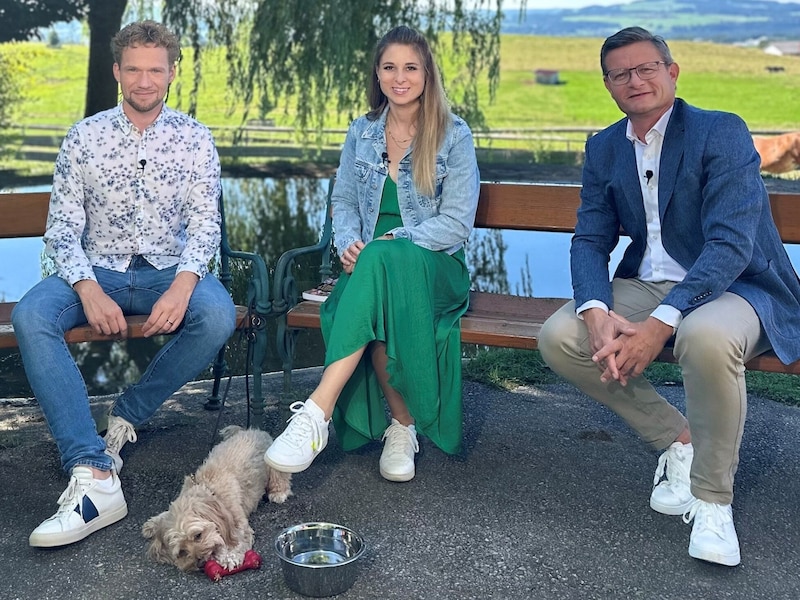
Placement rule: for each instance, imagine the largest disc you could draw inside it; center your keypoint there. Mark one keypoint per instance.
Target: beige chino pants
(711, 346)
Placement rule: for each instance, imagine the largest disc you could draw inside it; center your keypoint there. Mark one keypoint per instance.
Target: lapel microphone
(648, 175)
(385, 158)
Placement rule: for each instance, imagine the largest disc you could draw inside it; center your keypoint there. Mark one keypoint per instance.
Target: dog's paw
(278, 496)
(279, 486)
(229, 558)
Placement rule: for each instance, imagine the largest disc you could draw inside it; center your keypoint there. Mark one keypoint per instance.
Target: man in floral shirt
(133, 223)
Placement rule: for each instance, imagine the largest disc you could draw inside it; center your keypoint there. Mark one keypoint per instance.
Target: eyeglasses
(645, 71)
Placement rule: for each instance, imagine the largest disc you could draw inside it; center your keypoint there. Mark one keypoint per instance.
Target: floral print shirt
(118, 193)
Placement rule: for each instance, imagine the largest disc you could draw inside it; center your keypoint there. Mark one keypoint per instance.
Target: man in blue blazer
(705, 265)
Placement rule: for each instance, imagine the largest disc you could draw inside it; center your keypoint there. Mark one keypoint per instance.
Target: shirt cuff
(668, 315)
(73, 276)
(590, 304)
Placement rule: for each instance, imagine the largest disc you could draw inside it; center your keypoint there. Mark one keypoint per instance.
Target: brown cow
(780, 153)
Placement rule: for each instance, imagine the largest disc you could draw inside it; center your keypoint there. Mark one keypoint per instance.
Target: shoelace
(70, 497)
(672, 467)
(302, 426)
(397, 436)
(709, 515)
(119, 432)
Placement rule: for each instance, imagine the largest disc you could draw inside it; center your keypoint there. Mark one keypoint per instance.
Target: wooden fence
(263, 139)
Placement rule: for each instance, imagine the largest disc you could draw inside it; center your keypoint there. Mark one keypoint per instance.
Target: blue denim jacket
(442, 222)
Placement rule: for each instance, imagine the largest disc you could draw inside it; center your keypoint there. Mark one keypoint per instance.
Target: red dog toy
(215, 571)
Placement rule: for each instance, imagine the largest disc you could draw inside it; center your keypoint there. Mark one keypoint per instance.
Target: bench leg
(259, 352)
(286, 345)
(219, 368)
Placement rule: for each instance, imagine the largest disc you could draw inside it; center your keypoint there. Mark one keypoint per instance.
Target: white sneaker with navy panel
(87, 505)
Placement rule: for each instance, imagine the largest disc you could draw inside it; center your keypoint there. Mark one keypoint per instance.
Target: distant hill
(713, 20)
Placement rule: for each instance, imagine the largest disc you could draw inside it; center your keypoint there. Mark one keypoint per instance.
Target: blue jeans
(52, 307)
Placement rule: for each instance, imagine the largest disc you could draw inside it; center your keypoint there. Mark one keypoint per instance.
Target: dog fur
(780, 153)
(209, 518)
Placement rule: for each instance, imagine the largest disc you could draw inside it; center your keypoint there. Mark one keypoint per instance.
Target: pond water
(532, 264)
(270, 216)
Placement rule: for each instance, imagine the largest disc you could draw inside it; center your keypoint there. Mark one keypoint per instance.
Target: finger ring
(170, 322)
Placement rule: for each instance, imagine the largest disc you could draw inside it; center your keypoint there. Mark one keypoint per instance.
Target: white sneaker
(305, 436)
(673, 495)
(118, 432)
(400, 446)
(84, 507)
(713, 536)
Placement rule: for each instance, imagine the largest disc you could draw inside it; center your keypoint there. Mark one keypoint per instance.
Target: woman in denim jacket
(404, 204)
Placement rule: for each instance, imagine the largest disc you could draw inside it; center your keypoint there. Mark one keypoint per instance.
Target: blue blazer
(715, 221)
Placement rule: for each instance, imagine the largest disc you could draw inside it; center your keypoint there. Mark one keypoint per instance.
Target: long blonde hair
(433, 116)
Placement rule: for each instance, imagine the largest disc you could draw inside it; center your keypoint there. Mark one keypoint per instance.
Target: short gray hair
(631, 35)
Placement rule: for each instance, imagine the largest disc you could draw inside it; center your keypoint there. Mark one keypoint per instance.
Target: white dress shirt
(657, 265)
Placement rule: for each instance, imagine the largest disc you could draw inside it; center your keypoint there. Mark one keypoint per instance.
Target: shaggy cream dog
(208, 520)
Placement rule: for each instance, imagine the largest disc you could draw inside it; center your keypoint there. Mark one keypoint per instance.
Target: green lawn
(507, 368)
(712, 76)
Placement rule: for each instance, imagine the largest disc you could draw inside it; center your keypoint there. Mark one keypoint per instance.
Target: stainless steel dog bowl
(319, 559)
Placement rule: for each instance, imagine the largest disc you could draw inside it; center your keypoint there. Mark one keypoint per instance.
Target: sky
(579, 3)
(564, 3)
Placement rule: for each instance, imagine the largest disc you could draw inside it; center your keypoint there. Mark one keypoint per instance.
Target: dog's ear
(214, 511)
(154, 530)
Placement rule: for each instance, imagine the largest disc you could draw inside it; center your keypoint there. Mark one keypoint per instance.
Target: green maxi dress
(412, 299)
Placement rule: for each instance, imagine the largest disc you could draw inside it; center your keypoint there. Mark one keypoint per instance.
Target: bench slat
(550, 207)
(506, 305)
(23, 214)
(523, 206)
(85, 333)
(528, 206)
(786, 213)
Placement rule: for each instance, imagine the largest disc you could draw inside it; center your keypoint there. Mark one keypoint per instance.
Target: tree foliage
(299, 55)
(10, 98)
(294, 55)
(22, 18)
(10, 93)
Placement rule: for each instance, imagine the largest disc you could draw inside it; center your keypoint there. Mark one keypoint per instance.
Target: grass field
(712, 76)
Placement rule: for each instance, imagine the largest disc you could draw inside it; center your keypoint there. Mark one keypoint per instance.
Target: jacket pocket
(361, 169)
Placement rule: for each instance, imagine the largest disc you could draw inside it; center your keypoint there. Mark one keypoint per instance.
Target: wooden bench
(24, 215)
(514, 321)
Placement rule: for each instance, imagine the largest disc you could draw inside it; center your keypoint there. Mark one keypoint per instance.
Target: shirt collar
(660, 126)
(124, 123)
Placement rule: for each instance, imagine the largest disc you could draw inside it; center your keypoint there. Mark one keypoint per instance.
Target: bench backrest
(552, 207)
(527, 206)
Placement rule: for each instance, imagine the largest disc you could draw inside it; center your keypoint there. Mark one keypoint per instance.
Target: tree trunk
(105, 20)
